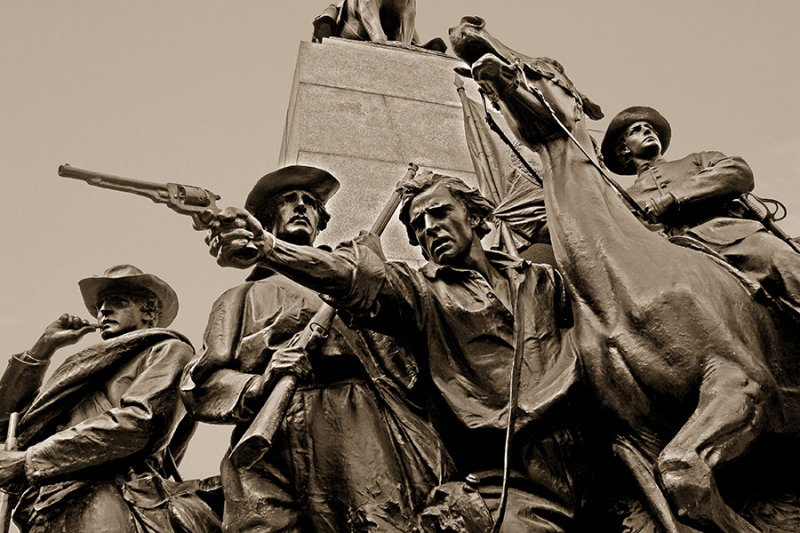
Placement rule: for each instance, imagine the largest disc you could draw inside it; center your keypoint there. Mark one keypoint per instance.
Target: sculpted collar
(650, 164)
(499, 260)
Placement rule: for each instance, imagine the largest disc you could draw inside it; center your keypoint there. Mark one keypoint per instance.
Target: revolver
(184, 199)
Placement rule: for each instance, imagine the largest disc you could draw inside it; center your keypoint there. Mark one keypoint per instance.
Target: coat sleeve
(386, 296)
(18, 386)
(212, 387)
(719, 177)
(142, 422)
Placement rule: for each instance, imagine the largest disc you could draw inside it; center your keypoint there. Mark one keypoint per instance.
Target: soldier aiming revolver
(352, 425)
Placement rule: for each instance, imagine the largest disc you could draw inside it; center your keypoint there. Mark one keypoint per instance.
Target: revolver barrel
(184, 199)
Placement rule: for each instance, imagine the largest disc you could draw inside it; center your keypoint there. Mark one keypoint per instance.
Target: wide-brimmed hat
(123, 276)
(620, 123)
(318, 182)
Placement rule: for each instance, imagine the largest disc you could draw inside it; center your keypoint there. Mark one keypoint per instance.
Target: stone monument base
(363, 111)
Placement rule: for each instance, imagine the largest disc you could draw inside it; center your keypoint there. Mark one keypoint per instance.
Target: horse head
(529, 91)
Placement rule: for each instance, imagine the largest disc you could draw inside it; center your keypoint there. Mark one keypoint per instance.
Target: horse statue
(696, 373)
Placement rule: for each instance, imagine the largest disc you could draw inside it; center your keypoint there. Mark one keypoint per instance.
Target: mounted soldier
(698, 196)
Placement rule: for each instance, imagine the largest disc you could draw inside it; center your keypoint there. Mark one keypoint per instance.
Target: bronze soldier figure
(697, 196)
(98, 438)
(354, 452)
(462, 315)
(378, 21)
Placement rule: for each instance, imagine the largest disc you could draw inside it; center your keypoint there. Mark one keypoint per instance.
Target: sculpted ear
(623, 153)
(149, 316)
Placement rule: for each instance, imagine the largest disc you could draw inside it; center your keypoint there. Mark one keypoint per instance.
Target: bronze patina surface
(697, 376)
(100, 437)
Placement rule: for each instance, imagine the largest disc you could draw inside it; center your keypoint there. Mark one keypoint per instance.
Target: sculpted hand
(371, 241)
(235, 237)
(67, 329)
(660, 207)
(12, 467)
(293, 360)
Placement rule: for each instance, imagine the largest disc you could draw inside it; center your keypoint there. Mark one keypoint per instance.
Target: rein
(635, 207)
(536, 179)
(534, 176)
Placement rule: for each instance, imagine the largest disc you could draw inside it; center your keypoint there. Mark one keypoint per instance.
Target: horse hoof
(689, 484)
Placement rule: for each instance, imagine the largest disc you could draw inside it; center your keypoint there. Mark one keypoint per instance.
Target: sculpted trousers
(333, 468)
(547, 481)
(100, 509)
(769, 261)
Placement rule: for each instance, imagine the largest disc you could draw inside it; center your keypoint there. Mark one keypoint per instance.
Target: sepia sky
(196, 93)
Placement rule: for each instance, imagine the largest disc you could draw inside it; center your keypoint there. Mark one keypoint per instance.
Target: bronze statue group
(400, 417)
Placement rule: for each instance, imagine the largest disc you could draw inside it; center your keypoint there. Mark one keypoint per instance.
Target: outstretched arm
(388, 297)
(232, 229)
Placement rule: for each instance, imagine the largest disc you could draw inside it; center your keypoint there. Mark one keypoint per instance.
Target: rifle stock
(258, 438)
(759, 210)
(5, 502)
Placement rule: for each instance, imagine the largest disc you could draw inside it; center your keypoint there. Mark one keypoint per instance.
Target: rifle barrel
(391, 205)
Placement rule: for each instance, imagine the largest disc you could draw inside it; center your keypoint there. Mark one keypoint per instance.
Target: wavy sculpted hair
(471, 197)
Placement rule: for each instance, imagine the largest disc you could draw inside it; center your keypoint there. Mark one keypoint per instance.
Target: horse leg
(653, 497)
(729, 417)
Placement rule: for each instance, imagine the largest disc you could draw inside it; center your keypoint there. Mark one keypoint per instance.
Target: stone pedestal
(363, 111)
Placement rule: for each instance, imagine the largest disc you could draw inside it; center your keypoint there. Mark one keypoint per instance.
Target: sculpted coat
(704, 186)
(465, 337)
(97, 436)
(353, 450)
